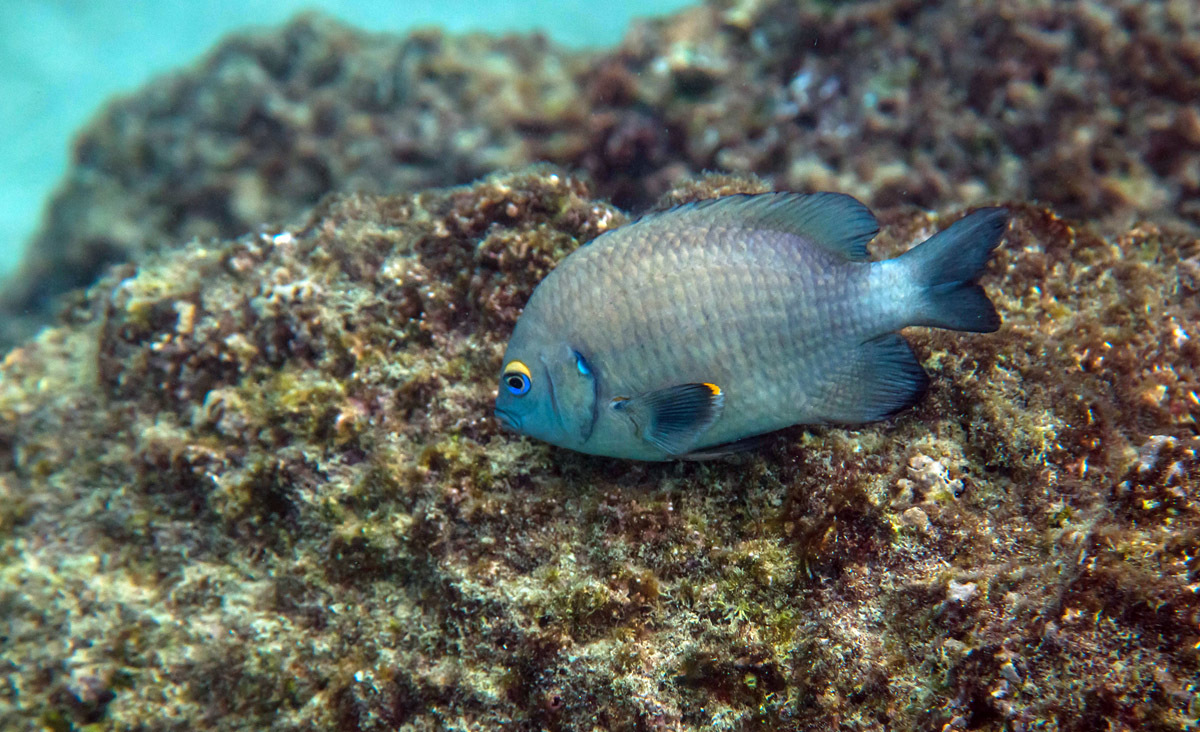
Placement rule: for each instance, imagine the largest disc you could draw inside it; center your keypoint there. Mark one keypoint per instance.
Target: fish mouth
(508, 419)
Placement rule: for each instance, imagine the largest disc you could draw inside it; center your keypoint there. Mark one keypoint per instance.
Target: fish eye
(516, 378)
(517, 384)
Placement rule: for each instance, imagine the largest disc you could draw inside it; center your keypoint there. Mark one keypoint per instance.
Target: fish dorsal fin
(673, 418)
(836, 222)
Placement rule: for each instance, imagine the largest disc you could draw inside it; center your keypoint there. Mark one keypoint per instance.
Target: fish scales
(711, 323)
(674, 277)
(767, 303)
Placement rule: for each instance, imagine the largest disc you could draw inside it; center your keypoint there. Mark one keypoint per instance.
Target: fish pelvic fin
(879, 378)
(672, 419)
(945, 268)
(728, 449)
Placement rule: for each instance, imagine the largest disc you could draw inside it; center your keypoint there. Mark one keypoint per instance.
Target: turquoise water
(59, 62)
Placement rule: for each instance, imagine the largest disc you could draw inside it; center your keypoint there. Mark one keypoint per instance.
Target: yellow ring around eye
(518, 367)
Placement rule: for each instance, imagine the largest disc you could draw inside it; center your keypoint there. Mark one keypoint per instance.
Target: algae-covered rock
(251, 479)
(1088, 107)
(255, 484)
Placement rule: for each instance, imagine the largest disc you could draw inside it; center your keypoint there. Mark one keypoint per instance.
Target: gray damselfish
(688, 331)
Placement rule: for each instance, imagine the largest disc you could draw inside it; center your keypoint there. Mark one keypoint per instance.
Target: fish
(693, 332)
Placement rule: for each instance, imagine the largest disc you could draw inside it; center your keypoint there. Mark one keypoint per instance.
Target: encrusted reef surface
(251, 481)
(1087, 106)
(255, 485)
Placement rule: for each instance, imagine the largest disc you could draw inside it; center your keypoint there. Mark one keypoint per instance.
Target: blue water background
(60, 60)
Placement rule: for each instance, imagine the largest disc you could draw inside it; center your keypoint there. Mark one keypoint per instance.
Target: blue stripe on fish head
(582, 364)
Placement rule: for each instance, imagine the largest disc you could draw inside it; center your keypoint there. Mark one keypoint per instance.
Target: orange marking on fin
(716, 390)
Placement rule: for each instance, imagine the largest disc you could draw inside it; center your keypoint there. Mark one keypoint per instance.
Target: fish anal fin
(673, 418)
(881, 377)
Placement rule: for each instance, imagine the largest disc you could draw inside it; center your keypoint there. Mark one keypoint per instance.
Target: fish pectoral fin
(673, 418)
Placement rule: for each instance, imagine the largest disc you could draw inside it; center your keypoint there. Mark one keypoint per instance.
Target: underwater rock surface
(254, 484)
(1088, 107)
(251, 480)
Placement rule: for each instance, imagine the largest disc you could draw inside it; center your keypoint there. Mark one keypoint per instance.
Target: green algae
(256, 485)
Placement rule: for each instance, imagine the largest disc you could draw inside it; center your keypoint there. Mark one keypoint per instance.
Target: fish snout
(508, 420)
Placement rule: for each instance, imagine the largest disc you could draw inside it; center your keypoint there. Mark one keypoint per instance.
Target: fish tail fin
(945, 268)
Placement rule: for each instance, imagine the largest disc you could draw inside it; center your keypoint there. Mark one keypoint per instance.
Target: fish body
(710, 323)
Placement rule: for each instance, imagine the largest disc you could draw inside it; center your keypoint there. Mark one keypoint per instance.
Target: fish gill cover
(252, 482)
